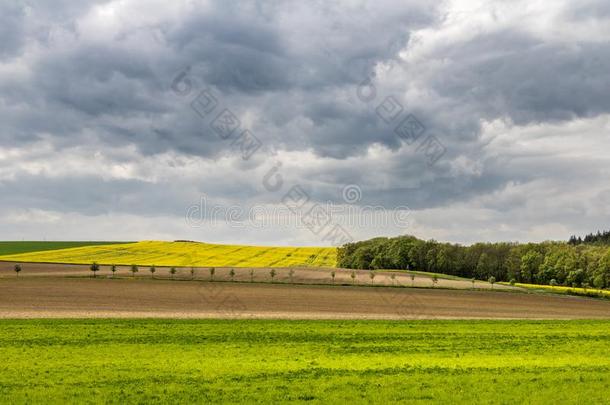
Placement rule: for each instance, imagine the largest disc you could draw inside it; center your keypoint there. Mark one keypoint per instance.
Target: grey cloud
(11, 29)
(290, 72)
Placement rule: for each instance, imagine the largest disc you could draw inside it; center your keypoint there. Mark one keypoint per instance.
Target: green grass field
(13, 248)
(197, 361)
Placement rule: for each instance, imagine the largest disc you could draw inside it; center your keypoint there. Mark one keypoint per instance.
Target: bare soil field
(300, 275)
(58, 297)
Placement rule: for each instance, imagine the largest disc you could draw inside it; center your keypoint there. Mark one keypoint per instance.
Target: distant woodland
(580, 262)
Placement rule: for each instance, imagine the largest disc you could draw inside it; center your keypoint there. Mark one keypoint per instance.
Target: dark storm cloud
(81, 73)
(11, 29)
(235, 49)
(517, 76)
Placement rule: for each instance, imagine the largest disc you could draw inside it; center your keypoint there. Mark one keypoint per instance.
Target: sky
(304, 123)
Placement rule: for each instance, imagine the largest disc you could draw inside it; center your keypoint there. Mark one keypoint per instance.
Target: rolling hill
(158, 253)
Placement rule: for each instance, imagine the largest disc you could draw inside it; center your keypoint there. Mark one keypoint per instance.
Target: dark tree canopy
(599, 238)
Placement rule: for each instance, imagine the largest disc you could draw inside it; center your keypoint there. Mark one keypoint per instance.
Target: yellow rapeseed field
(179, 254)
(564, 289)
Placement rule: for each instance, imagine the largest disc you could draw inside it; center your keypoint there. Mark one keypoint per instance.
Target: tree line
(550, 263)
(599, 238)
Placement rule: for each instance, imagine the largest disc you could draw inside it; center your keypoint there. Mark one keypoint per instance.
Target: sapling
(94, 268)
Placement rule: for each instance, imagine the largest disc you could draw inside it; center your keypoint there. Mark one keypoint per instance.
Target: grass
(13, 248)
(429, 274)
(185, 254)
(234, 361)
(590, 292)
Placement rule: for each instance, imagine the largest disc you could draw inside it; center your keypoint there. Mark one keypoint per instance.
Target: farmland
(149, 253)
(32, 296)
(593, 292)
(13, 248)
(272, 361)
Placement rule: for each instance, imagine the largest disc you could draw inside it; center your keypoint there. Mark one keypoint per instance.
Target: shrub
(492, 280)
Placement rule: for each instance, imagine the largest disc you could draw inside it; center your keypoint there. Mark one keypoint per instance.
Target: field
(300, 332)
(13, 248)
(185, 254)
(231, 361)
(558, 289)
(46, 294)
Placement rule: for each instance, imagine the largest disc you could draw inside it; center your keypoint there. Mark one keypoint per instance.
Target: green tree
(232, 274)
(530, 263)
(492, 281)
(412, 279)
(599, 281)
(575, 278)
(332, 275)
(434, 280)
(393, 278)
(152, 270)
(134, 269)
(431, 260)
(513, 263)
(212, 272)
(272, 273)
(113, 270)
(172, 271)
(443, 262)
(485, 266)
(372, 276)
(94, 268)
(602, 270)
(192, 273)
(17, 269)
(353, 276)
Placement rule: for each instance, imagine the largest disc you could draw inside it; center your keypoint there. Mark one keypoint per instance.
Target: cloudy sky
(223, 121)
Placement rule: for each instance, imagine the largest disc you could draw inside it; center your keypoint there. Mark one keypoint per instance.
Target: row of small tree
(272, 273)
